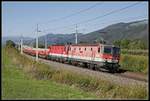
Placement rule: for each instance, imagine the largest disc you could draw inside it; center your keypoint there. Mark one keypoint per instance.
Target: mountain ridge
(118, 31)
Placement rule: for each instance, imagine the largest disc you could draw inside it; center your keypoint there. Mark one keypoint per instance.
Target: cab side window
(98, 50)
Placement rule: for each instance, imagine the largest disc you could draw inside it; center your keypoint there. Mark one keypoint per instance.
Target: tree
(10, 43)
(141, 45)
(117, 43)
(81, 42)
(125, 43)
(131, 44)
(137, 44)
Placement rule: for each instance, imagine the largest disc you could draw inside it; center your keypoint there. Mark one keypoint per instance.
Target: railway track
(123, 77)
(131, 76)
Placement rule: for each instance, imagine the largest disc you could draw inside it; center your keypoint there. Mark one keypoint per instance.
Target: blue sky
(22, 17)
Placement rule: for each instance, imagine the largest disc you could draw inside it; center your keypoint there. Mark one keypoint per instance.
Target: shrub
(134, 63)
(10, 43)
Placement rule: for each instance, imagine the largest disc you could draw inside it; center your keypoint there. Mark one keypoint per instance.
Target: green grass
(135, 63)
(37, 78)
(18, 85)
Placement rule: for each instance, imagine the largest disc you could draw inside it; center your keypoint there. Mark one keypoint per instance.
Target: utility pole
(21, 44)
(76, 34)
(37, 44)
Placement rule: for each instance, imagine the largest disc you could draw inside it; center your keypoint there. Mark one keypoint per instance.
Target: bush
(131, 44)
(135, 63)
(10, 43)
(134, 52)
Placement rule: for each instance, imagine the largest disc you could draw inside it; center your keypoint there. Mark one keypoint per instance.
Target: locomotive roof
(85, 44)
(93, 45)
(76, 44)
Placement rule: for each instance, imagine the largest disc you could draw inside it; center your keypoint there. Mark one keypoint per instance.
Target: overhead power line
(97, 26)
(76, 13)
(109, 13)
(98, 17)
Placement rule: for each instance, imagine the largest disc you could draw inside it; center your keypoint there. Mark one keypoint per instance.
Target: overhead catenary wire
(98, 17)
(109, 13)
(73, 14)
(97, 26)
(76, 13)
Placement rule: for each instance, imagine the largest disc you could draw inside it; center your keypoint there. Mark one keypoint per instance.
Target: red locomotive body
(56, 52)
(56, 49)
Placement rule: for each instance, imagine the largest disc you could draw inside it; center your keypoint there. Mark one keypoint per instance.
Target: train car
(33, 52)
(57, 53)
(27, 50)
(95, 56)
(43, 53)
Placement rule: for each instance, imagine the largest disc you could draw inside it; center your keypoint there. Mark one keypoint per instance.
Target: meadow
(23, 78)
(17, 84)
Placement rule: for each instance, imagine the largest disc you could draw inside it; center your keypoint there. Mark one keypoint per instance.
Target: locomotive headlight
(115, 61)
(109, 60)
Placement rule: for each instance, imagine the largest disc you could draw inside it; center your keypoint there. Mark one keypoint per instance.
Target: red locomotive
(93, 56)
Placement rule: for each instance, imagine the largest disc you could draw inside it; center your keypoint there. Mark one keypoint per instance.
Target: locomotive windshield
(116, 50)
(107, 50)
(111, 50)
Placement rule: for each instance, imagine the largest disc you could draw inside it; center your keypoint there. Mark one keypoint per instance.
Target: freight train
(93, 56)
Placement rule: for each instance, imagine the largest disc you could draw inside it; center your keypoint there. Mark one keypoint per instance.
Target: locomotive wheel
(72, 62)
(52, 59)
(61, 60)
(69, 61)
(91, 67)
(88, 66)
(112, 70)
(75, 63)
(97, 68)
(85, 65)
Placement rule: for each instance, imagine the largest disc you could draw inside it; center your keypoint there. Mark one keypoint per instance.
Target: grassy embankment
(16, 84)
(38, 80)
(134, 60)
